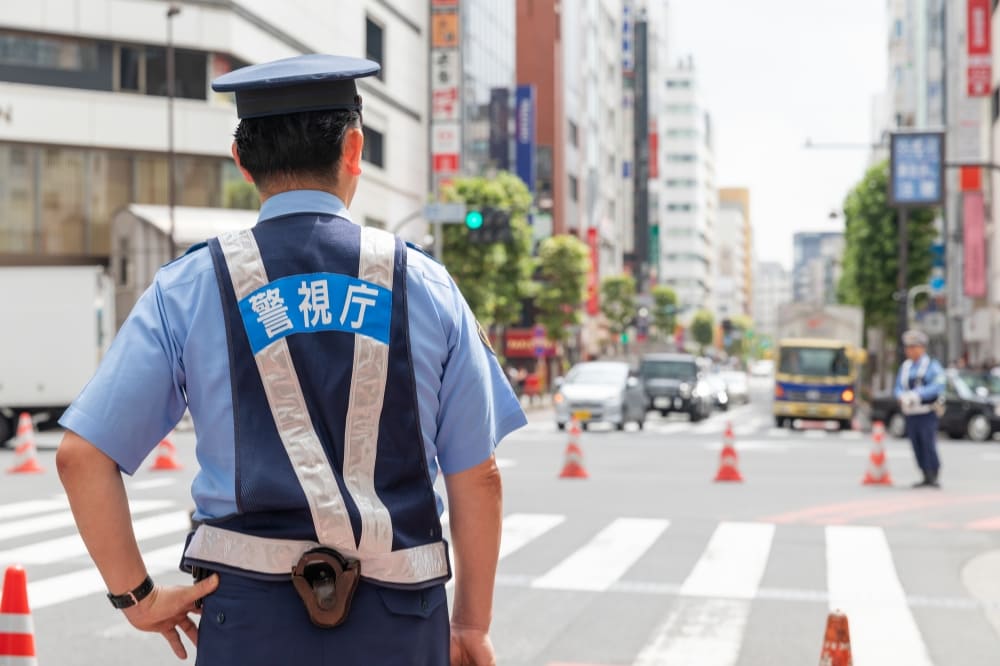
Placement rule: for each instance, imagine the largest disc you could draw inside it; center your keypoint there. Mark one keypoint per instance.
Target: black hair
(292, 145)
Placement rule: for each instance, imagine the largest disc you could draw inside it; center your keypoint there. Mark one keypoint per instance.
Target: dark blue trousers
(922, 431)
(247, 622)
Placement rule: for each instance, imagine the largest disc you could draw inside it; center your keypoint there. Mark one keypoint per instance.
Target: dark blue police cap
(312, 82)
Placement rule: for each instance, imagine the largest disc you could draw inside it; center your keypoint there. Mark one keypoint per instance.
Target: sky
(774, 73)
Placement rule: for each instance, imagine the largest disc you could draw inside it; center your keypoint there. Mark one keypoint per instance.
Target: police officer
(330, 372)
(919, 386)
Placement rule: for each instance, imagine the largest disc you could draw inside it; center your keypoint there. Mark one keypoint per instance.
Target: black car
(967, 414)
(676, 383)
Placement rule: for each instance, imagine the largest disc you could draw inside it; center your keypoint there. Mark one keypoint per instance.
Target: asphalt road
(647, 561)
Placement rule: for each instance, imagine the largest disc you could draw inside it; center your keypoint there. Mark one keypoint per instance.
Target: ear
(354, 143)
(239, 165)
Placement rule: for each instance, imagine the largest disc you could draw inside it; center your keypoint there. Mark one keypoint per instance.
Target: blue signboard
(916, 171)
(524, 105)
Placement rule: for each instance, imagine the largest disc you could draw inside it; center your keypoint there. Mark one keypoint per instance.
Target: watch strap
(132, 597)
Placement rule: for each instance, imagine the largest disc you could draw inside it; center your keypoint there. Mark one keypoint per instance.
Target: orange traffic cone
(837, 642)
(17, 633)
(728, 469)
(573, 468)
(165, 460)
(24, 447)
(877, 473)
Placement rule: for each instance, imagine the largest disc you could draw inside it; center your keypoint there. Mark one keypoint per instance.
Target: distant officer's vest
(328, 443)
(915, 380)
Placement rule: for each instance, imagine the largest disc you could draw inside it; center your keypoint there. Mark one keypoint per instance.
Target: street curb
(980, 579)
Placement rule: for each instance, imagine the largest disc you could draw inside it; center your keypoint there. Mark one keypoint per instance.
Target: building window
(682, 182)
(373, 150)
(680, 108)
(574, 134)
(373, 43)
(682, 133)
(574, 188)
(680, 207)
(144, 70)
(681, 157)
(59, 53)
(129, 68)
(678, 83)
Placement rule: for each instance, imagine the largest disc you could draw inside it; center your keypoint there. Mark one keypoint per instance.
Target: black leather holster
(326, 580)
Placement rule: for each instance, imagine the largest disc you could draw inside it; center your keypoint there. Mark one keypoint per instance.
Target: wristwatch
(132, 597)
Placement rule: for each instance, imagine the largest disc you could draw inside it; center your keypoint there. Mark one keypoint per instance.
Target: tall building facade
(84, 130)
(772, 288)
(738, 199)
(688, 206)
(818, 257)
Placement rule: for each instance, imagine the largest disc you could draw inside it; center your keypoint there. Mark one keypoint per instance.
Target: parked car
(600, 391)
(737, 386)
(720, 393)
(762, 368)
(676, 383)
(966, 415)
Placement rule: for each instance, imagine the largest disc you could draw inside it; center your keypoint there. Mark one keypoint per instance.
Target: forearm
(97, 497)
(475, 509)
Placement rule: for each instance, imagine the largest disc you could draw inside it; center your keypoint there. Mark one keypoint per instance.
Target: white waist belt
(279, 556)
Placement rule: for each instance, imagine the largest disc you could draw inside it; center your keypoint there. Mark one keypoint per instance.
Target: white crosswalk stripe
(711, 594)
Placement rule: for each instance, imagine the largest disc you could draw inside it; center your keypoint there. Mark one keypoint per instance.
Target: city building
(772, 288)
(816, 270)
(738, 232)
(688, 205)
(84, 124)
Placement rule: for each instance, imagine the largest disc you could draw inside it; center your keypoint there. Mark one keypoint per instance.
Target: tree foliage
(740, 344)
(618, 301)
(563, 262)
(493, 278)
(871, 253)
(703, 328)
(664, 310)
(240, 194)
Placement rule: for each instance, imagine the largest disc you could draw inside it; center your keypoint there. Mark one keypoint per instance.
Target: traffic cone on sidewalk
(837, 642)
(17, 633)
(573, 467)
(877, 473)
(165, 458)
(24, 448)
(728, 463)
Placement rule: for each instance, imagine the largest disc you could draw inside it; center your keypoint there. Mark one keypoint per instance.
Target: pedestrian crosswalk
(726, 570)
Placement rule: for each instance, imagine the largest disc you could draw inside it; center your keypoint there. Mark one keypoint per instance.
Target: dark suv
(675, 383)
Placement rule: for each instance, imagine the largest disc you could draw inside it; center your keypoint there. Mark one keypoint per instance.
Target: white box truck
(58, 322)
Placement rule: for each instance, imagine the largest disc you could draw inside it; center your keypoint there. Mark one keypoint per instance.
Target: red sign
(444, 104)
(654, 159)
(444, 3)
(446, 163)
(974, 232)
(593, 287)
(521, 344)
(979, 72)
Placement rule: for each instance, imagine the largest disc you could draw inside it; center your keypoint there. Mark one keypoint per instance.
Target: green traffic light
(473, 219)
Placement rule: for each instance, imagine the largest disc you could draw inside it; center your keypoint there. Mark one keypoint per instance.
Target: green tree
(493, 278)
(240, 194)
(563, 263)
(618, 302)
(664, 310)
(703, 328)
(871, 252)
(740, 345)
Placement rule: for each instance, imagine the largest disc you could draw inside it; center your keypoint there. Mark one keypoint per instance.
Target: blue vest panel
(313, 300)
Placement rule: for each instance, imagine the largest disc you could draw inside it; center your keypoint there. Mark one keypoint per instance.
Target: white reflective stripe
(16, 623)
(279, 556)
(364, 407)
(288, 406)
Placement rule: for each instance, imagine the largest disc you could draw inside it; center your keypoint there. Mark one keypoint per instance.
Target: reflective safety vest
(329, 449)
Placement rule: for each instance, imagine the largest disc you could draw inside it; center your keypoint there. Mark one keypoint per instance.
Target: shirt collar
(303, 201)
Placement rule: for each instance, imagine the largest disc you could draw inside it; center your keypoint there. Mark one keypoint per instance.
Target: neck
(342, 192)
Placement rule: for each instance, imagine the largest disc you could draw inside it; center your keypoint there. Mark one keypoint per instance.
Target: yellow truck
(817, 365)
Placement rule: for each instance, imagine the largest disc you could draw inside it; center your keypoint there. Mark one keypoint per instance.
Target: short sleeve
(135, 398)
(478, 407)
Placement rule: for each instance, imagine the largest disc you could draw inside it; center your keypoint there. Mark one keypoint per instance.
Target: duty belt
(278, 557)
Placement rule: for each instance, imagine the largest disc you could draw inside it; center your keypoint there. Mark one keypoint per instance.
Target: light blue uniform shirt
(171, 354)
(933, 379)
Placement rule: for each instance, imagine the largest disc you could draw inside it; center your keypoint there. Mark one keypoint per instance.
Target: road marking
(862, 581)
(519, 529)
(845, 512)
(29, 507)
(751, 445)
(984, 524)
(65, 518)
(606, 557)
(77, 584)
(64, 548)
(709, 631)
(778, 432)
(148, 484)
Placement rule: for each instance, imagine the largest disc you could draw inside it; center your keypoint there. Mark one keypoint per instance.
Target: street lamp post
(172, 11)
